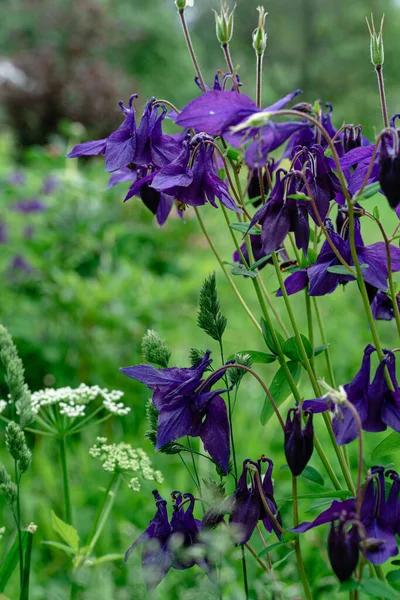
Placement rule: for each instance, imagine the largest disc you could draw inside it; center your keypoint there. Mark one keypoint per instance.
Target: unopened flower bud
(389, 176)
(259, 34)
(224, 24)
(376, 43)
(352, 137)
(182, 4)
(299, 443)
(343, 548)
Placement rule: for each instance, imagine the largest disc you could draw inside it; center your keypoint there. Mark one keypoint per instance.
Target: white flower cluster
(73, 402)
(122, 457)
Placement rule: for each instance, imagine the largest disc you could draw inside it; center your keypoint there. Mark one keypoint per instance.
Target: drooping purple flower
(257, 249)
(184, 411)
(377, 522)
(158, 203)
(278, 216)
(269, 138)
(389, 162)
(352, 138)
(169, 544)
(299, 443)
(245, 506)
(196, 184)
(382, 306)
(322, 281)
(122, 176)
(29, 205)
(131, 145)
(377, 405)
(217, 111)
(220, 85)
(343, 546)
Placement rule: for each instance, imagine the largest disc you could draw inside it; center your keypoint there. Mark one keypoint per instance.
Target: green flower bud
(182, 4)
(376, 43)
(16, 445)
(259, 34)
(224, 24)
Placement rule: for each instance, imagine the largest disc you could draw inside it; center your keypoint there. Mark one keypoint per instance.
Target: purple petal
(328, 515)
(271, 137)
(379, 530)
(318, 405)
(176, 423)
(283, 101)
(215, 111)
(120, 150)
(215, 433)
(295, 282)
(357, 155)
(164, 208)
(91, 148)
(122, 176)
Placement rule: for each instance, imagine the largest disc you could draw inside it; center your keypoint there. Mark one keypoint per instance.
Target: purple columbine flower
(382, 306)
(184, 411)
(196, 184)
(299, 442)
(377, 521)
(216, 112)
(131, 145)
(389, 162)
(343, 546)
(29, 205)
(162, 539)
(245, 505)
(220, 85)
(322, 281)
(279, 215)
(377, 405)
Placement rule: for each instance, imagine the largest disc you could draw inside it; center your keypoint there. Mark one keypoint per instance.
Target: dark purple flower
(184, 411)
(382, 306)
(245, 505)
(121, 176)
(19, 263)
(29, 205)
(253, 186)
(352, 138)
(196, 184)
(343, 546)
(220, 85)
(269, 138)
(377, 522)
(168, 544)
(278, 216)
(257, 249)
(158, 203)
(322, 281)
(377, 405)
(389, 162)
(299, 443)
(217, 111)
(131, 145)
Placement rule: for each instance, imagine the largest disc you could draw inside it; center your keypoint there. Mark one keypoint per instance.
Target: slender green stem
(245, 579)
(310, 325)
(27, 567)
(18, 521)
(324, 342)
(188, 470)
(194, 465)
(230, 417)
(104, 512)
(381, 85)
(64, 468)
(228, 58)
(191, 49)
(300, 564)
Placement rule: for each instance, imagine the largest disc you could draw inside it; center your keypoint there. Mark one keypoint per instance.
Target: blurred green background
(85, 278)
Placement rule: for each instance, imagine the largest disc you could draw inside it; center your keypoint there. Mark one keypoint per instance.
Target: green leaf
(280, 389)
(371, 189)
(393, 578)
(324, 502)
(268, 337)
(313, 475)
(342, 270)
(241, 270)
(106, 558)
(299, 196)
(68, 533)
(387, 446)
(279, 562)
(256, 356)
(342, 494)
(222, 174)
(291, 348)
(260, 262)
(376, 213)
(320, 349)
(349, 585)
(395, 562)
(243, 227)
(11, 560)
(233, 153)
(379, 589)
(60, 546)
(270, 548)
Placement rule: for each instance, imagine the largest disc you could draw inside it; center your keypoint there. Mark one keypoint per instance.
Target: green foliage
(67, 533)
(280, 389)
(8, 489)
(210, 318)
(195, 356)
(11, 560)
(154, 349)
(19, 392)
(236, 375)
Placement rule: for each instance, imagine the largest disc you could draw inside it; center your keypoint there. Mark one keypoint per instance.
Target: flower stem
(324, 342)
(27, 567)
(64, 468)
(104, 511)
(381, 85)
(194, 466)
(228, 58)
(310, 325)
(297, 548)
(18, 523)
(191, 49)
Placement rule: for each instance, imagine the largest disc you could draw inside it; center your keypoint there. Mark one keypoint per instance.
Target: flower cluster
(73, 402)
(122, 457)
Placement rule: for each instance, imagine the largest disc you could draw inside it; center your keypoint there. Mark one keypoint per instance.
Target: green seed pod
(259, 34)
(376, 43)
(182, 4)
(224, 24)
